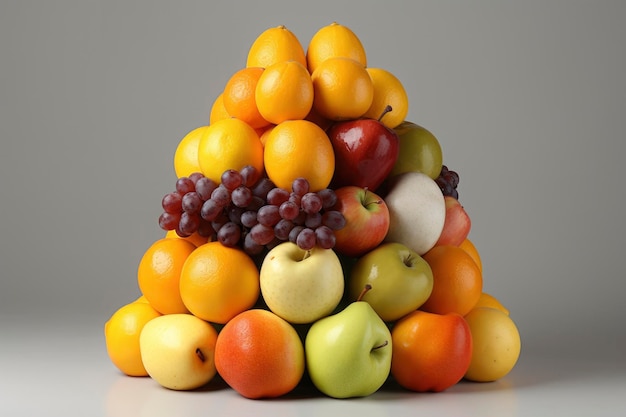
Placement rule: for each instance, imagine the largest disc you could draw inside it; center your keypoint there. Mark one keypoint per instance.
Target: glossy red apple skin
(457, 223)
(367, 220)
(365, 152)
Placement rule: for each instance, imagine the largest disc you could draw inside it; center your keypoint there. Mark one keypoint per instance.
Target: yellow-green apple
(402, 280)
(365, 152)
(420, 151)
(366, 220)
(178, 351)
(259, 354)
(301, 286)
(417, 211)
(348, 354)
(457, 224)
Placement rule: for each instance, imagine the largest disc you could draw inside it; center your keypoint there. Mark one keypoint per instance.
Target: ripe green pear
(348, 354)
(420, 151)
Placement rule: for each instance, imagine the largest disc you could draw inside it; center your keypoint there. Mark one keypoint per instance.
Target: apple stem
(386, 110)
(365, 289)
(306, 254)
(385, 343)
(379, 201)
(200, 355)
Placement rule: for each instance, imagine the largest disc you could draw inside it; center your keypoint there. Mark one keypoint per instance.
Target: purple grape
(306, 239)
(234, 214)
(189, 222)
(262, 234)
(282, 229)
(184, 185)
(172, 203)
(293, 234)
(295, 198)
(268, 215)
(313, 220)
(229, 234)
(248, 218)
(262, 187)
(334, 219)
(191, 202)
(250, 246)
(195, 176)
(231, 179)
(328, 196)
(300, 186)
(277, 196)
(205, 229)
(204, 187)
(249, 175)
(311, 203)
(210, 210)
(289, 210)
(241, 196)
(325, 237)
(255, 203)
(221, 196)
(169, 221)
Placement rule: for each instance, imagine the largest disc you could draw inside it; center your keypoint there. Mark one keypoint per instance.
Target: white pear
(417, 211)
(301, 286)
(178, 351)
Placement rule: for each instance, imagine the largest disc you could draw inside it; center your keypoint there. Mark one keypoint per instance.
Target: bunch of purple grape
(247, 210)
(448, 182)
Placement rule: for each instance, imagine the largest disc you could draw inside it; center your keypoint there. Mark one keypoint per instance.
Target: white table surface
(58, 367)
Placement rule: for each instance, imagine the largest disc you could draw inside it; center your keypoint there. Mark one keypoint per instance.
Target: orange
(229, 144)
(299, 148)
(332, 41)
(457, 281)
(284, 92)
(121, 333)
(186, 154)
(469, 247)
(238, 96)
(488, 300)
(265, 134)
(194, 238)
(218, 111)
(496, 344)
(219, 282)
(274, 45)
(388, 91)
(342, 88)
(159, 271)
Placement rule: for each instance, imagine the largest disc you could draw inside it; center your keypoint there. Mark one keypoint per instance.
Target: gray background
(528, 100)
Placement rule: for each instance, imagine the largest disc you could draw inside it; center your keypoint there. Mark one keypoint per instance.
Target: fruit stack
(312, 234)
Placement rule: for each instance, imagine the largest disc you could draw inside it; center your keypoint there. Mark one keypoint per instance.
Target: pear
(348, 354)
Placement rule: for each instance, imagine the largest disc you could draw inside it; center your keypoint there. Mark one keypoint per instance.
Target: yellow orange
(488, 300)
(274, 45)
(457, 281)
(218, 111)
(219, 282)
(342, 88)
(186, 154)
(299, 148)
(229, 144)
(388, 91)
(158, 274)
(284, 92)
(194, 238)
(334, 40)
(238, 96)
(121, 333)
(469, 247)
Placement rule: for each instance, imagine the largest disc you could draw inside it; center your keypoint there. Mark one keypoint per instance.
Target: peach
(457, 224)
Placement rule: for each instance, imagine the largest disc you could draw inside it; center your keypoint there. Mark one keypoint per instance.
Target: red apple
(367, 220)
(457, 224)
(365, 152)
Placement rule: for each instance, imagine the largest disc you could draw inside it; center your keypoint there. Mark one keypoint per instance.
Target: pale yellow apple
(301, 286)
(178, 351)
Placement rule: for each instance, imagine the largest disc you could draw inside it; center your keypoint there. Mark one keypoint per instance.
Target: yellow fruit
(343, 89)
(158, 274)
(334, 40)
(238, 96)
(488, 300)
(284, 92)
(218, 111)
(388, 91)
(229, 144)
(275, 45)
(469, 247)
(219, 282)
(186, 154)
(121, 333)
(496, 344)
(299, 148)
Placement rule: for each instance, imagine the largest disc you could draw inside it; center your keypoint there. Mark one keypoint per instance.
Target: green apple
(348, 354)
(178, 351)
(402, 280)
(420, 151)
(301, 286)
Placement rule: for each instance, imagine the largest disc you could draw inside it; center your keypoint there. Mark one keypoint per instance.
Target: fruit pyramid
(313, 236)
